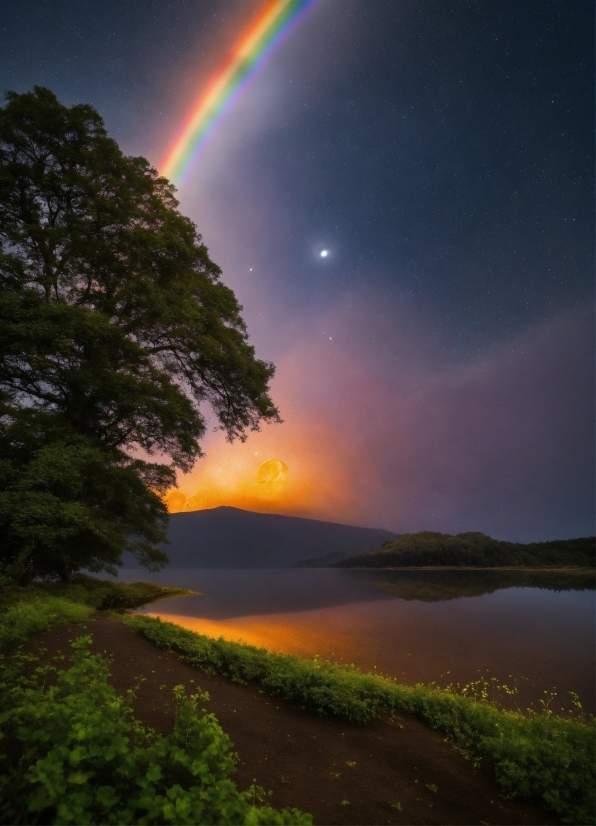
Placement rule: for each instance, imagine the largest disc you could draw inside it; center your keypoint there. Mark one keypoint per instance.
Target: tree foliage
(474, 549)
(116, 329)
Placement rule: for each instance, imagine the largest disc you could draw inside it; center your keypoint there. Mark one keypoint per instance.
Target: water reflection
(229, 592)
(440, 584)
(533, 629)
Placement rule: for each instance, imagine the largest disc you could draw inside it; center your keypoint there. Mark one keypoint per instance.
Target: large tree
(115, 330)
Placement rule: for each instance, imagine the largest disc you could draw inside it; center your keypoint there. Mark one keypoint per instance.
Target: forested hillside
(474, 549)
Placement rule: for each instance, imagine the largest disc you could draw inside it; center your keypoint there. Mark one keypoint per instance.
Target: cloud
(375, 434)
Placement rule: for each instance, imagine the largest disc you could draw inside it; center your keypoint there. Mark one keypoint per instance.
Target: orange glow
(295, 468)
(272, 472)
(246, 477)
(311, 465)
(276, 632)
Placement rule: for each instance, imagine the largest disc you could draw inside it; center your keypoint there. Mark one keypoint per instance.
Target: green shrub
(75, 754)
(102, 594)
(541, 756)
(21, 620)
(115, 596)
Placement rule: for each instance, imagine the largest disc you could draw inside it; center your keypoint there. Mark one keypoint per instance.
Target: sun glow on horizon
(252, 484)
(311, 480)
(309, 466)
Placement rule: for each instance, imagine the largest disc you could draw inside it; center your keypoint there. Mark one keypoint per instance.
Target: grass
(22, 619)
(42, 605)
(76, 755)
(71, 751)
(542, 757)
(100, 594)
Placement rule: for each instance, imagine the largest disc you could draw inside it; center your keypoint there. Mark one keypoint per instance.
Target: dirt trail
(394, 771)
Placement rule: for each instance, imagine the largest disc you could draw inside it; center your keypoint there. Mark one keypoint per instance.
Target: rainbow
(264, 34)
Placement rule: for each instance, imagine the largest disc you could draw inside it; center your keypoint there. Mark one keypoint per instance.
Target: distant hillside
(233, 538)
(473, 549)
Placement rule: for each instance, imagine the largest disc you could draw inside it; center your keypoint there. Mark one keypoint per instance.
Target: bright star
(324, 253)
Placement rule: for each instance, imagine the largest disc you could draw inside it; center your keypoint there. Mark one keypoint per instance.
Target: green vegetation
(73, 753)
(474, 549)
(23, 619)
(438, 585)
(42, 605)
(538, 756)
(115, 329)
(71, 750)
(101, 594)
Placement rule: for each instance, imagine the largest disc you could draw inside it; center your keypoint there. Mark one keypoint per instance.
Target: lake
(531, 630)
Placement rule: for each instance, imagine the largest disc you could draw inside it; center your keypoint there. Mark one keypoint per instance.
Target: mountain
(473, 549)
(233, 538)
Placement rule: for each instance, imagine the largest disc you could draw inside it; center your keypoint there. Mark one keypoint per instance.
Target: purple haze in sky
(436, 369)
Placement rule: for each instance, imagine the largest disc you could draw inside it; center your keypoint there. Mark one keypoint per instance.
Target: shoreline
(301, 726)
(395, 769)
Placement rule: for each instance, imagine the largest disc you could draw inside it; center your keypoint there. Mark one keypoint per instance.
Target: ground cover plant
(101, 594)
(539, 756)
(23, 619)
(70, 748)
(73, 753)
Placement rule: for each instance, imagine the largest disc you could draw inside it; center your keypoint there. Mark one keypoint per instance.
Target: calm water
(416, 626)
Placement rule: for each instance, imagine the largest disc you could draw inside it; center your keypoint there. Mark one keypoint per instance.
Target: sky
(435, 370)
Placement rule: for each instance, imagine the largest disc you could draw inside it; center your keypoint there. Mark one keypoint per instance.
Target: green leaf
(153, 773)
(78, 778)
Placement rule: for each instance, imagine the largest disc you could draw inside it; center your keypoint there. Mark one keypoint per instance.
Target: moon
(175, 501)
(324, 253)
(273, 470)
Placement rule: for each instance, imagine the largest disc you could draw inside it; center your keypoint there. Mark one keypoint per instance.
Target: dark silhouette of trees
(473, 549)
(115, 330)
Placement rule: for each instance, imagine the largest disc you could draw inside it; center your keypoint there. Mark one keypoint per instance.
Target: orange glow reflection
(276, 632)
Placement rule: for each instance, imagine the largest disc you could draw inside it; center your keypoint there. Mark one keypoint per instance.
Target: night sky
(435, 369)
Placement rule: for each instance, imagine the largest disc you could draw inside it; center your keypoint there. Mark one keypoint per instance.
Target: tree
(116, 329)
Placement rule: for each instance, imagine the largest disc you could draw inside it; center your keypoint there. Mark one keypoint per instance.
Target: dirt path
(386, 772)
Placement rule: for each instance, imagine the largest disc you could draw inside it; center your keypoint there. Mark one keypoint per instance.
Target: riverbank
(393, 769)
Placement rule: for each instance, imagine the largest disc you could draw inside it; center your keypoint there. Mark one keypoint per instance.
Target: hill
(473, 550)
(232, 538)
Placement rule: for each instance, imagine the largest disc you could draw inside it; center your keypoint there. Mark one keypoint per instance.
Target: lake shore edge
(182, 645)
(342, 773)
